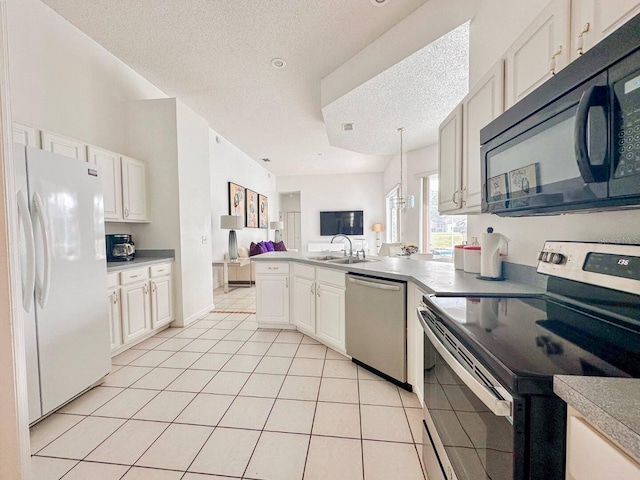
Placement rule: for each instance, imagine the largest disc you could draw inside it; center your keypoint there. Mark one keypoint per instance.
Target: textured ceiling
(215, 56)
(416, 93)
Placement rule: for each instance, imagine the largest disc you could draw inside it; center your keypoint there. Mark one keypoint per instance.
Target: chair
(390, 249)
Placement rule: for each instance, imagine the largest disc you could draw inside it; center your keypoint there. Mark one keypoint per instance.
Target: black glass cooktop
(525, 341)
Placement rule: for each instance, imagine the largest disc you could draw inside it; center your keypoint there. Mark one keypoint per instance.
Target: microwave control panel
(627, 127)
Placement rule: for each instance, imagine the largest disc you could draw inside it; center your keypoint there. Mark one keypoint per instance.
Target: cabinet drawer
(160, 269)
(275, 267)
(112, 280)
(304, 271)
(134, 275)
(331, 277)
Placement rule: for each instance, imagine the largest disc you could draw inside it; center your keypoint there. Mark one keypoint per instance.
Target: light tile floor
(221, 400)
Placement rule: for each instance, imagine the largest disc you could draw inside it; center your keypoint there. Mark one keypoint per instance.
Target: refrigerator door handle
(29, 281)
(43, 284)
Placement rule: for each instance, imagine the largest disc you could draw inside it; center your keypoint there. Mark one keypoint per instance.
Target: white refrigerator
(63, 263)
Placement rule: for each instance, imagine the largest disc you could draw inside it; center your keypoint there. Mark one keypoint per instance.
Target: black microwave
(573, 143)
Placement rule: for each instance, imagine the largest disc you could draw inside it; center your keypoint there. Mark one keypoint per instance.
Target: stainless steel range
(489, 362)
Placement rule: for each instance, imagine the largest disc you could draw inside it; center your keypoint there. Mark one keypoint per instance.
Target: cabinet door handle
(146, 289)
(114, 297)
(552, 61)
(580, 41)
(454, 197)
(126, 212)
(463, 197)
(318, 291)
(313, 288)
(272, 268)
(153, 287)
(134, 276)
(286, 282)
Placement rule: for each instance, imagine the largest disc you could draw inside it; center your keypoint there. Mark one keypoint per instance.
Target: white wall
(230, 164)
(496, 25)
(63, 81)
(416, 164)
(336, 192)
(174, 141)
(195, 212)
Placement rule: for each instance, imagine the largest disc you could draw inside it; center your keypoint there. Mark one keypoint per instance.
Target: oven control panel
(615, 266)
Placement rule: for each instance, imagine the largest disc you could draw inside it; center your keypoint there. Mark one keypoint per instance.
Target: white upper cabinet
(460, 165)
(542, 50)
(484, 103)
(595, 19)
(450, 161)
(134, 190)
(111, 175)
(25, 135)
(68, 147)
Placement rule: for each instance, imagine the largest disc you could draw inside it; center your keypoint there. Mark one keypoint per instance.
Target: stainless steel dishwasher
(376, 325)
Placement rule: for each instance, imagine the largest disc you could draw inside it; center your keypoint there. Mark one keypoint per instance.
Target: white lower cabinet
(140, 302)
(272, 295)
(161, 301)
(594, 456)
(136, 305)
(415, 341)
(303, 298)
(318, 304)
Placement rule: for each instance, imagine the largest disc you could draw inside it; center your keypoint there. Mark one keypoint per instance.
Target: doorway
(290, 215)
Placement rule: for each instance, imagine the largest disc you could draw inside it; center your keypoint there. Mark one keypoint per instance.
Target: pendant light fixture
(400, 202)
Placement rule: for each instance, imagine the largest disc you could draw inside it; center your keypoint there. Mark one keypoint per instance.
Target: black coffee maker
(120, 248)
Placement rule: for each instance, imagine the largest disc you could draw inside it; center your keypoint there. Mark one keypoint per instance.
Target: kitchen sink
(350, 260)
(341, 260)
(325, 258)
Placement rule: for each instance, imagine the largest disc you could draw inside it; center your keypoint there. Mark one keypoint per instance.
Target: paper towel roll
(490, 261)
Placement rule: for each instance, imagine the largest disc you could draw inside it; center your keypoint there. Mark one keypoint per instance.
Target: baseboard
(185, 322)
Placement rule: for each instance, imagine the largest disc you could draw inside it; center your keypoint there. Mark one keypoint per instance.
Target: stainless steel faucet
(348, 240)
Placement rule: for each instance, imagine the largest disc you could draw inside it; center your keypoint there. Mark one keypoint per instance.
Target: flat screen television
(347, 222)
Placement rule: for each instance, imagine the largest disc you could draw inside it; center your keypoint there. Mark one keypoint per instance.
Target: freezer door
(28, 317)
(72, 319)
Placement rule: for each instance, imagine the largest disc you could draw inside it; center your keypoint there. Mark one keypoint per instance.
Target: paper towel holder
(492, 279)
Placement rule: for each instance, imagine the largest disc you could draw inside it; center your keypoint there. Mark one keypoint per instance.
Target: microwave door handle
(595, 96)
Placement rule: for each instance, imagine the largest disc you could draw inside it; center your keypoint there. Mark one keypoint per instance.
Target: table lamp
(277, 226)
(377, 227)
(232, 223)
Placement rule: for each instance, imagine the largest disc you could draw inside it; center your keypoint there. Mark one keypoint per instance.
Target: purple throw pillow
(262, 247)
(279, 247)
(269, 245)
(254, 249)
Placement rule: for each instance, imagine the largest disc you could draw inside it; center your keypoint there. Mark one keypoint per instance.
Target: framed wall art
(252, 209)
(263, 211)
(523, 185)
(237, 200)
(523, 181)
(497, 188)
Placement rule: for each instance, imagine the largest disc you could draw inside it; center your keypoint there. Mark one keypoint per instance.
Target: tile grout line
(271, 409)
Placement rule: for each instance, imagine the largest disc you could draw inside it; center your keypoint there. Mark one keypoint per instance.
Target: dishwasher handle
(380, 286)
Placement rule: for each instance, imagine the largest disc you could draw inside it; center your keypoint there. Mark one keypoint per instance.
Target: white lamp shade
(231, 222)
(276, 225)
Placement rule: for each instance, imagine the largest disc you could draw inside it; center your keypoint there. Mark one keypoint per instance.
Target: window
(440, 232)
(393, 217)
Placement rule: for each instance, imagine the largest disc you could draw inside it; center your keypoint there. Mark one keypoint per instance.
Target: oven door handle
(499, 407)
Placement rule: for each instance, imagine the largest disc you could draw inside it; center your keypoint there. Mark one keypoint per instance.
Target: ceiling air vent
(347, 127)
